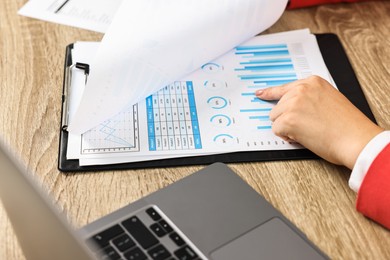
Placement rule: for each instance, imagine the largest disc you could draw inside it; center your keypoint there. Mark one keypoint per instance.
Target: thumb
(274, 93)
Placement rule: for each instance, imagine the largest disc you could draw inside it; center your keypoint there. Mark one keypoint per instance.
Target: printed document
(94, 15)
(212, 110)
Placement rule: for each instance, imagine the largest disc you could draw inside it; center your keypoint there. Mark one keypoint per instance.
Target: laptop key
(177, 239)
(153, 214)
(135, 254)
(158, 230)
(159, 253)
(185, 253)
(166, 226)
(109, 253)
(140, 232)
(103, 238)
(123, 242)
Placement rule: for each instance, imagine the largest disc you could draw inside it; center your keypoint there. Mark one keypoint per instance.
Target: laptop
(211, 214)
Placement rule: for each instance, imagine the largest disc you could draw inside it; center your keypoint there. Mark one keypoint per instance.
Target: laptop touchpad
(271, 240)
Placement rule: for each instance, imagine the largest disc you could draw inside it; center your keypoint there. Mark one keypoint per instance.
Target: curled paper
(152, 43)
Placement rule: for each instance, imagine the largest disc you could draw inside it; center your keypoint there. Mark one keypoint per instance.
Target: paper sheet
(95, 15)
(152, 43)
(212, 110)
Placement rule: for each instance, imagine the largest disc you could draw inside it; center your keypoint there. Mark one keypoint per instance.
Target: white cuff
(366, 157)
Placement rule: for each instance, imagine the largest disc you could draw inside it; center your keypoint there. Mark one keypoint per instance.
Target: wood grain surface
(313, 194)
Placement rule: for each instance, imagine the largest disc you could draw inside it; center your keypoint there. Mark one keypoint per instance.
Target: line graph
(119, 134)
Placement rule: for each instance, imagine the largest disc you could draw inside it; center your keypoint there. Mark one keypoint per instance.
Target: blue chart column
(150, 118)
(194, 116)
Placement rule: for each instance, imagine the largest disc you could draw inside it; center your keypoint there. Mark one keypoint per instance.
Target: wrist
(366, 157)
(357, 144)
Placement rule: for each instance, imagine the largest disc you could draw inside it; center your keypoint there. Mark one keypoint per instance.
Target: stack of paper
(176, 78)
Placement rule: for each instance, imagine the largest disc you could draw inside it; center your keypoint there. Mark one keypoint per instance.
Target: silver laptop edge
(43, 222)
(229, 222)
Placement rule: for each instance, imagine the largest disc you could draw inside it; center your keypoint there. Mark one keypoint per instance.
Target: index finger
(275, 93)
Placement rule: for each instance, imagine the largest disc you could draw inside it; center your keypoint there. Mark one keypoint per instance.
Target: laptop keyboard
(145, 235)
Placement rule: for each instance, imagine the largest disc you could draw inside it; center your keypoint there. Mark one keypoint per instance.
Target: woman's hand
(316, 115)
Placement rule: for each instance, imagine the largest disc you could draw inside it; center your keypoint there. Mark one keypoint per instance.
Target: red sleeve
(306, 3)
(373, 198)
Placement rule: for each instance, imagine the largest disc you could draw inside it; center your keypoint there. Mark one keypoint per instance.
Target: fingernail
(259, 92)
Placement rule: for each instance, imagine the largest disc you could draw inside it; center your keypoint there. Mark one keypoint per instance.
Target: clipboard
(335, 59)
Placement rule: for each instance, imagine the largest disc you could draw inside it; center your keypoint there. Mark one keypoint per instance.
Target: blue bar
(249, 110)
(257, 47)
(286, 60)
(190, 87)
(261, 118)
(264, 53)
(273, 83)
(194, 115)
(151, 130)
(248, 94)
(191, 100)
(195, 127)
(149, 102)
(266, 127)
(152, 144)
(150, 120)
(258, 100)
(198, 142)
(191, 95)
(196, 132)
(150, 116)
(192, 104)
(258, 86)
(269, 76)
(267, 67)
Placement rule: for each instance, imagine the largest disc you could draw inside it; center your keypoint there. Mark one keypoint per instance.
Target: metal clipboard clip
(67, 88)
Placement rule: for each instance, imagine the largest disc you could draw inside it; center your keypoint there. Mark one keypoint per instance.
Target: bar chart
(262, 66)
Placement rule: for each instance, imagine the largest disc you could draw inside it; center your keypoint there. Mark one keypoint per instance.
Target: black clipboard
(338, 65)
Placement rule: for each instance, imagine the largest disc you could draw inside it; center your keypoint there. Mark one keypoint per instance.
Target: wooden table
(313, 194)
